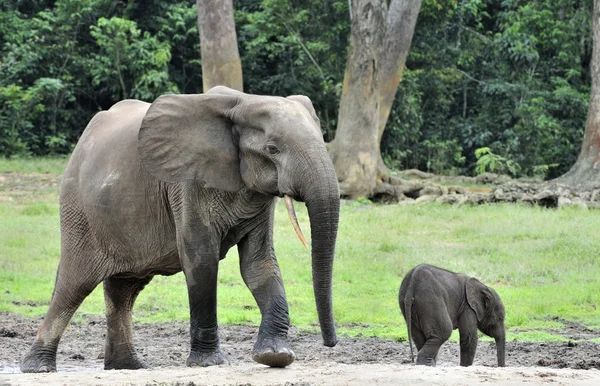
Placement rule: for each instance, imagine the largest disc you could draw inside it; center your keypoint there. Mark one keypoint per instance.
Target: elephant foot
(273, 351)
(426, 362)
(38, 364)
(206, 359)
(131, 363)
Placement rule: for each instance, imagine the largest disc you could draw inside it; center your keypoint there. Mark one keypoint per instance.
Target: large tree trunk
(218, 43)
(355, 150)
(586, 171)
(379, 43)
(401, 22)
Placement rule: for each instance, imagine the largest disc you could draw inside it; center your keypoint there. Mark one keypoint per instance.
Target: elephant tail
(408, 300)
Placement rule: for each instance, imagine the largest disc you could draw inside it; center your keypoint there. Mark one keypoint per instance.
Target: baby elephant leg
(432, 341)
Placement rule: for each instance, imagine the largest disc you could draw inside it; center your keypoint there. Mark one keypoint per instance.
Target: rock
(527, 199)
(499, 195)
(447, 199)
(547, 198)
(564, 202)
(412, 190)
(578, 202)
(433, 190)
(407, 201)
(425, 199)
(492, 178)
(415, 173)
(456, 199)
(456, 190)
(478, 198)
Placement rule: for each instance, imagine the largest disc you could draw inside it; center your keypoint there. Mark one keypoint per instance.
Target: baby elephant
(435, 301)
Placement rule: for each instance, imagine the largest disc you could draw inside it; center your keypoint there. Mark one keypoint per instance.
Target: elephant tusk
(290, 208)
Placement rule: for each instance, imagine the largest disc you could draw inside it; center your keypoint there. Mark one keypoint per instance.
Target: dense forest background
(506, 78)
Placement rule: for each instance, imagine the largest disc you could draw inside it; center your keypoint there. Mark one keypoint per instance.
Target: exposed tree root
(391, 188)
(420, 187)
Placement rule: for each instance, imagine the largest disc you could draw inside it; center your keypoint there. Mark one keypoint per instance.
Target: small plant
(443, 156)
(487, 161)
(362, 201)
(56, 143)
(541, 171)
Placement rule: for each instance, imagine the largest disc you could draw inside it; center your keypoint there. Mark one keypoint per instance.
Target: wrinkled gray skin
(154, 189)
(435, 301)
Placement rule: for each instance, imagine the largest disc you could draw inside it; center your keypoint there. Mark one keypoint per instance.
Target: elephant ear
(306, 102)
(185, 137)
(479, 297)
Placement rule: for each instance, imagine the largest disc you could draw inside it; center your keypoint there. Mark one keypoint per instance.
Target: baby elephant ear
(478, 297)
(185, 137)
(306, 102)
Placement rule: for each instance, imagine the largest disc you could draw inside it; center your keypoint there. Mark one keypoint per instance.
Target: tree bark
(221, 63)
(355, 149)
(401, 22)
(379, 44)
(586, 171)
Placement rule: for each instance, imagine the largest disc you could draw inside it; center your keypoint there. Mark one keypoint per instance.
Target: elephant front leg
(272, 347)
(261, 274)
(467, 329)
(198, 245)
(201, 269)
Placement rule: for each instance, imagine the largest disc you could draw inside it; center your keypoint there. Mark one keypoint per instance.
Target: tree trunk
(401, 22)
(355, 149)
(586, 171)
(218, 43)
(379, 43)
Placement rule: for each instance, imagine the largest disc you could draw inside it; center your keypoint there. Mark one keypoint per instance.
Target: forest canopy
(507, 80)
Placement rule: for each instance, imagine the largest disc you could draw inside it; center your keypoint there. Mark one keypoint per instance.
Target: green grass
(543, 263)
(53, 165)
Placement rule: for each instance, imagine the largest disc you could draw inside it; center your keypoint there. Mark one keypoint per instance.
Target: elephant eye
(272, 149)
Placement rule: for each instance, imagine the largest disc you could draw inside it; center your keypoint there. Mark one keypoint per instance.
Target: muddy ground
(353, 361)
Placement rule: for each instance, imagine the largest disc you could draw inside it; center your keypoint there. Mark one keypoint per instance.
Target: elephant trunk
(500, 345)
(322, 199)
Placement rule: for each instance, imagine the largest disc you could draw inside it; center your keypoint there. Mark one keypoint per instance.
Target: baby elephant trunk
(500, 344)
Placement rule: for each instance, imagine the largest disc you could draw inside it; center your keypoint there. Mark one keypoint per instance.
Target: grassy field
(543, 263)
(50, 165)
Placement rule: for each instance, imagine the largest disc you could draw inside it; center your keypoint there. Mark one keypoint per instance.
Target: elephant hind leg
(119, 297)
(74, 282)
(418, 338)
(430, 346)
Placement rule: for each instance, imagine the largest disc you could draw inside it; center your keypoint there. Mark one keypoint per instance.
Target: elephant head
(489, 309)
(232, 141)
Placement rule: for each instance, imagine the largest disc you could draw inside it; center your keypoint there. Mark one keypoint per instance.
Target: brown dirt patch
(353, 361)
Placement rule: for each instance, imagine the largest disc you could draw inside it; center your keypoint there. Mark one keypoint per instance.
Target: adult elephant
(154, 189)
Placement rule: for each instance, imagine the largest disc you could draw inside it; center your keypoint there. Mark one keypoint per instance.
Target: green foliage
(177, 23)
(510, 75)
(541, 171)
(62, 62)
(295, 47)
(494, 163)
(361, 201)
(130, 64)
